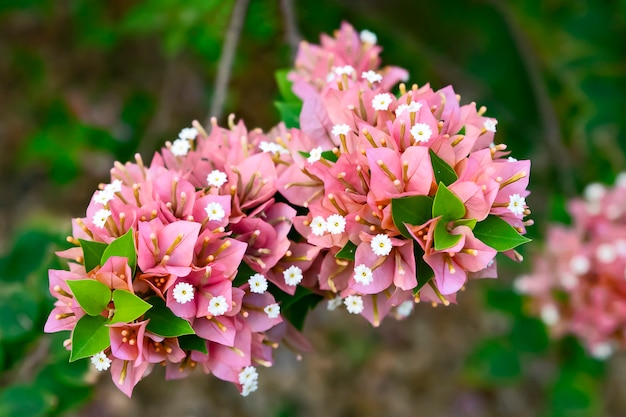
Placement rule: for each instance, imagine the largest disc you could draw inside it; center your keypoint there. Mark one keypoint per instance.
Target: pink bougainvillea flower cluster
(400, 191)
(578, 285)
(201, 211)
(212, 255)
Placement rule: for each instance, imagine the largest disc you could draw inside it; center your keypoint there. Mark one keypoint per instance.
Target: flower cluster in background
(578, 285)
(212, 255)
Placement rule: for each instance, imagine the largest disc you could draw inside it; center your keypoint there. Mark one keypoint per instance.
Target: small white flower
(292, 275)
(248, 375)
(315, 155)
(520, 285)
(594, 192)
(180, 147)
(517, 204)
(335, 224)
(511, 159)
(363, 275)
(550, 315)
(413, 107)
(189, 133)
(405, 309)
(272, 310)
(258, 283)
(216, 178)
(183, 292)
(579, 265)
(333, 303)
(342, 129)
(421, 132)
(114, 187)
(368, 37)
(346, 69)
(249, 388)
(490, 125)
(381, 101)
(103, 197)
(620, 180)
(381, 245)
(271, 147)
(606, 253)
(318, 225)
(218, 306)
(354, 304)
(372, 76)
(215, 211)
(100, 217)
(101, 361)
(620, 247)
(602, 351)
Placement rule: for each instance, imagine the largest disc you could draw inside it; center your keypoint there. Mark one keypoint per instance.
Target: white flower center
(315, 155)
(421, 132)
(368, 37)
(100, 361)
(372, 77)
(342, 129)
(188, 133)
(292, 275)
(354, 304)
(215, 211)
(218, 306)
(180, 147)
(405, 309)
(517, 204)
(333, 303)
(363, 275)
(381, 245)
(579, 265)
(183, 292)
(272, 311)
(100, 218)
(216, 178)
(381, 101)
(258, 283)
(490, 125)
(318, 225)
(335, 224)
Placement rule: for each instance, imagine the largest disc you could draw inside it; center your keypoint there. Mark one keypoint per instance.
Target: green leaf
(193, 342)
(164, 322)
(89, 337)
(493, 363)
(330, 156)
(443, 172)
(93, 296)
(284, 86)
(289, 113)
(414, 210)
(497, 233)
(444, 239)
(92, 253)
(471, 223)
(423, 271)
(447, 204)
(123, 246)
(347, 252)
(462, 131)
(128, 306)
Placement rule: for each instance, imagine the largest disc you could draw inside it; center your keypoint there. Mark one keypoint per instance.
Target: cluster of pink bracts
(225, 220)
(578, 285)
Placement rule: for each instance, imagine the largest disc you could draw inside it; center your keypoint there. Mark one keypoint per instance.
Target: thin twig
(224, 67)
(549, 119)
(292, 34)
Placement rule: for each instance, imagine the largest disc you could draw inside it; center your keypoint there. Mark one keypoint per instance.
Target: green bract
(497, 233)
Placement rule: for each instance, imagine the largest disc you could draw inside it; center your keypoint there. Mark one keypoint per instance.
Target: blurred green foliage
(87, 82)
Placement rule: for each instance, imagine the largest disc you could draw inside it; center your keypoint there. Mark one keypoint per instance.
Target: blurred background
(84, 83)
